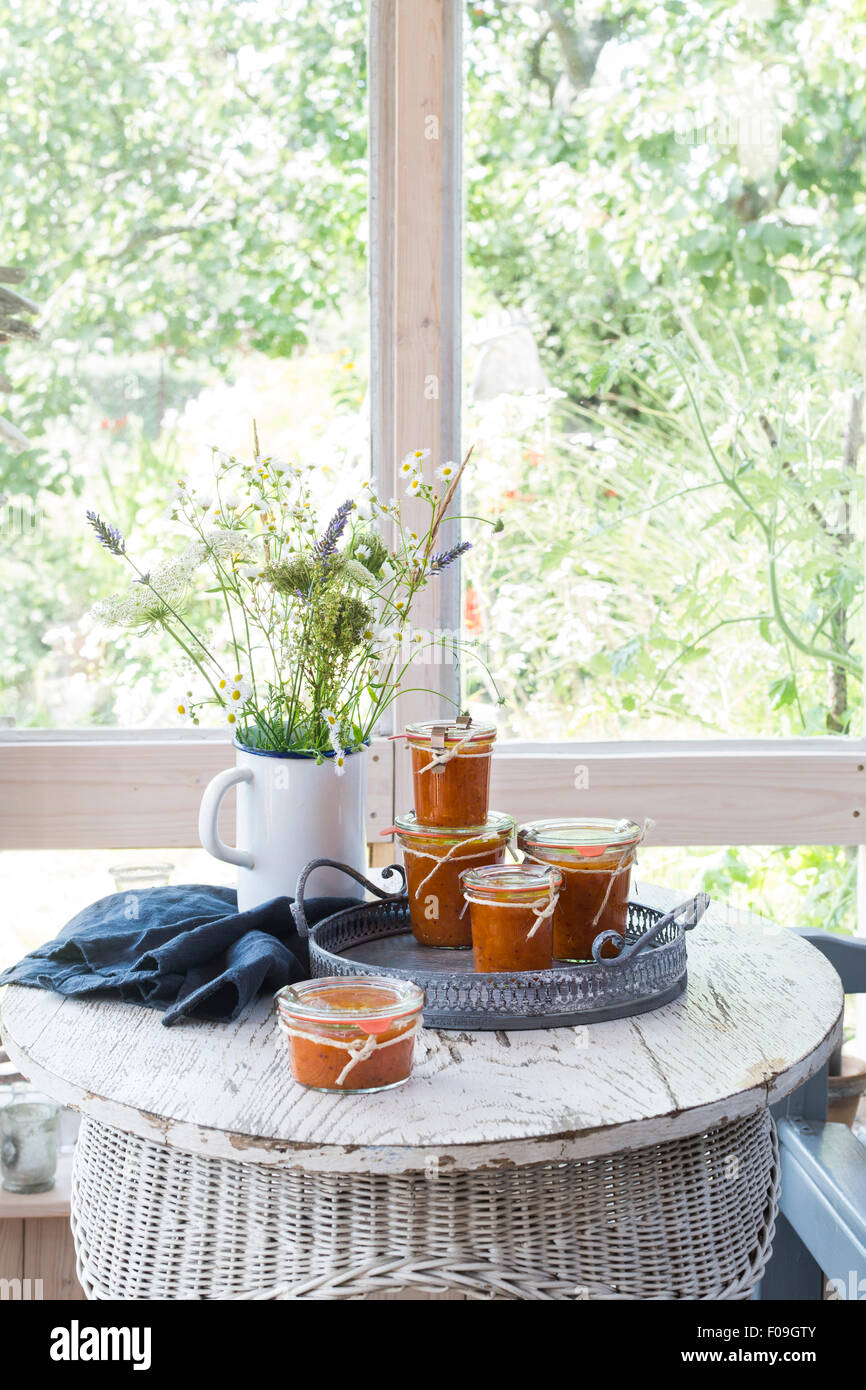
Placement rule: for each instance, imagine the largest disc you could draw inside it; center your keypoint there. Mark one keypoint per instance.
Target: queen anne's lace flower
(146, 605)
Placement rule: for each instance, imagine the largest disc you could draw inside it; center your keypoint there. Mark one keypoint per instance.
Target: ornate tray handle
(300, 915)
(690, 911)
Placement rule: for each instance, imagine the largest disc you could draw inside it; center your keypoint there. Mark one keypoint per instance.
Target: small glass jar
(511, 908)
(29, 1126)
(451, 771)
(351, 1032)
(433, 857)
(596, 858)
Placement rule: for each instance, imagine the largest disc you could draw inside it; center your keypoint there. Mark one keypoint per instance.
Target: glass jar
(451, 771)
(596, 858)
(511, 908)
(434, 857)
(352, 1032)
(28, 1142)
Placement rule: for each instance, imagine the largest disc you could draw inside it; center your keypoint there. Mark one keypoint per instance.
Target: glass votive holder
(129, 877)
(29, 1126)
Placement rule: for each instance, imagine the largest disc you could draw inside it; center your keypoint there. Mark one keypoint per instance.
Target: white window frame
(140, 789)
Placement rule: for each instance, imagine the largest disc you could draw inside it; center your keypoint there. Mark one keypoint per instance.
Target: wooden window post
(415, 214)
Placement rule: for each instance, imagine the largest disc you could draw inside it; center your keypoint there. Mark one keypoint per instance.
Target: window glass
(664, 327)
(795, 886)
(184, 198)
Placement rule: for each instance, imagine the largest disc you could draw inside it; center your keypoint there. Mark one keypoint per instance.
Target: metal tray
(374, 938)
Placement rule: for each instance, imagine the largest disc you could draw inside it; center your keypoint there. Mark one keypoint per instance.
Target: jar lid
(348, 999)
(512, 880)
(497, 823)
(588, 837)
(452, 731)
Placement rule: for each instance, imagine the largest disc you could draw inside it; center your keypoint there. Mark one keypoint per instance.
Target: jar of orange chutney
(451, 771)
(351, 1033)
(595, 857)
(511, 908)
(434, 857)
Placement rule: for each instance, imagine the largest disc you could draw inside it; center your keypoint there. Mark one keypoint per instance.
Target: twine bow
(443, 859)
(440, 757)
(360, 1050)
(626, 859)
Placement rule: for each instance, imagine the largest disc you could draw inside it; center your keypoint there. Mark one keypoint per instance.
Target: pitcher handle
(208, 817)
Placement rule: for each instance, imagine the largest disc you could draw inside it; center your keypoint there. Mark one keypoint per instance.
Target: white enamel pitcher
(289, 810)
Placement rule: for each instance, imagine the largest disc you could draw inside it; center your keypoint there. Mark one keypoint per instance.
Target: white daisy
(409, 467)
(414, 486)
(183, 707)
(240, 690)
(339, 762)
(389, 635)
(330, 719)
(446, 472)
(202, 496)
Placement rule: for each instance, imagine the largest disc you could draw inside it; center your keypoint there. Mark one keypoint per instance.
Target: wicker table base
(686, 1219)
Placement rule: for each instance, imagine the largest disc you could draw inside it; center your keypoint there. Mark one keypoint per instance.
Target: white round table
(631, 1159)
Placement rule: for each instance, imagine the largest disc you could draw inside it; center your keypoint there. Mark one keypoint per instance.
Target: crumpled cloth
(186, 950)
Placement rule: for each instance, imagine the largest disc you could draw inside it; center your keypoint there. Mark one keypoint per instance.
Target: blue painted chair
(821, 1228)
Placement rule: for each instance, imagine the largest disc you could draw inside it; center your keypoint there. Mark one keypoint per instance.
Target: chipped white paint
(761, 1014)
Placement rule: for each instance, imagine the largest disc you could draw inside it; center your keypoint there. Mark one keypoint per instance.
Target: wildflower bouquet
(315, 623)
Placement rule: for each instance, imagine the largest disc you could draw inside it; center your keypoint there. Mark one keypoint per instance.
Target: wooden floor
(36, 1242)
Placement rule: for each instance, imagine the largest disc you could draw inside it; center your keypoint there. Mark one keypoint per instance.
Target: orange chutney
(350, 1033)
(595, 857)
(451, 772)
(511, 908)
(433, 858)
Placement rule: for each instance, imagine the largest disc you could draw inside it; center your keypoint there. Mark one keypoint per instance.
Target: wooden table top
(761, 1014)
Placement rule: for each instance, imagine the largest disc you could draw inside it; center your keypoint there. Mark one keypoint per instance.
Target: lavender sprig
(109, 536)
(444, 558)
(326, 547)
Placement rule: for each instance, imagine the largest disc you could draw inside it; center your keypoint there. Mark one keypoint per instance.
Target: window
(191, 216)
(665, 396)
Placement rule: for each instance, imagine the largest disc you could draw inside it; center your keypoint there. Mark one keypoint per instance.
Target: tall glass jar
(595, 857)
(434, 857)
(451, 772)
(511, 908)
(351, 1032)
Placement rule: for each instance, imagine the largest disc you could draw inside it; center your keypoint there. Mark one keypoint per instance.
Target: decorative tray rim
(571, 993)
